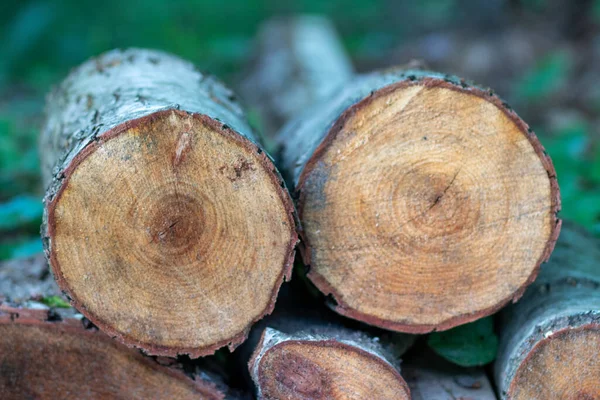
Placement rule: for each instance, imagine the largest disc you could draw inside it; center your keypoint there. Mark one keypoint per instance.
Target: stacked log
(304, 350)
(550, 339)
(324, 363)
(166, 224)
(425, 201)
(54, 353)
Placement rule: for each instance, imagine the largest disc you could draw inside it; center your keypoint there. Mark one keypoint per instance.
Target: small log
(283, 77)
(425, 201)
(430, 377)
(550, 340)
(54, 353)
(300, 355)
(166, 224)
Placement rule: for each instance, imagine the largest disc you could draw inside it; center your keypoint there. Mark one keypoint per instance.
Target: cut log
(425, 201)
(52, 353)
(550, 340)
(432, 378)
(304, 350)
(283, 77)
(166, 225)
(327, 363)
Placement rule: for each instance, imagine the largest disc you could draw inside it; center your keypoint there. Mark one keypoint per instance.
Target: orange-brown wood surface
(167, 226)
(156, 231)
(425, 201)
(62, 360)
(290, 367)
(427, 205)
(565, 365)
(550, 340)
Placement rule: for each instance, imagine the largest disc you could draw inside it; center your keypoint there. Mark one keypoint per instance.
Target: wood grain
(55, 353)
(167, 226)
(425, 201)
(57, 360)
(319, 367)
(550, 340)
(426, 205)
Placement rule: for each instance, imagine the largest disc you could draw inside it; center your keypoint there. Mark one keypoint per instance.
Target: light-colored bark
(120, 86)
(425, 201)
(161, 210)
(559, 315)
(284, 78)
(327, 362)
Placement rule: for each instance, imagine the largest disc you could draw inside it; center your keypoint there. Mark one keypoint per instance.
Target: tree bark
(53, 353)
(162, 213)
(283, 78)
(326, 362)
(550, 339)
(304, 350)
(425, 201)
(433, 378)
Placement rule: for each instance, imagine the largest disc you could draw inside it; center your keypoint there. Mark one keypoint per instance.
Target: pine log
(54, 353)
(166, 224)
(425, 201)
(550, 340)
(430, 377)
(283, 77)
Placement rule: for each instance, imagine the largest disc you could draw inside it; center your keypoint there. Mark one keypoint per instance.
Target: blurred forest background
(542, 56)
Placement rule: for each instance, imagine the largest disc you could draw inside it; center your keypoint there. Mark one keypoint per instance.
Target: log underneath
(550, 340)
(283, 78)
(425, 202)
(166, 225)
(52, 353)
(60, 360)
(304, 366)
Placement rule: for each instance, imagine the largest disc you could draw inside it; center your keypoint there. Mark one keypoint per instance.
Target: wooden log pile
(423, 202)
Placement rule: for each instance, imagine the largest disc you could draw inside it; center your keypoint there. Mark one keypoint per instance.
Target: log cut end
(172, 233)
(323, 369)
(564, 365)
(428, 204)
(58, 360)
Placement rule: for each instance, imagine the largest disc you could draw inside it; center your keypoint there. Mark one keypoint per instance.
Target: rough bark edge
(463, 87)
(543, 323)
(270, 340)
(42, 318)
(540, 343)
(227, 132)
(78, 133)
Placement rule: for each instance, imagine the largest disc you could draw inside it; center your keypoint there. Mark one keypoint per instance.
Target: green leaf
(467, 345)
(55, 301)
(596, 11)
(593, 172)
(19, 212)
(545, 78)
(20, 248)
